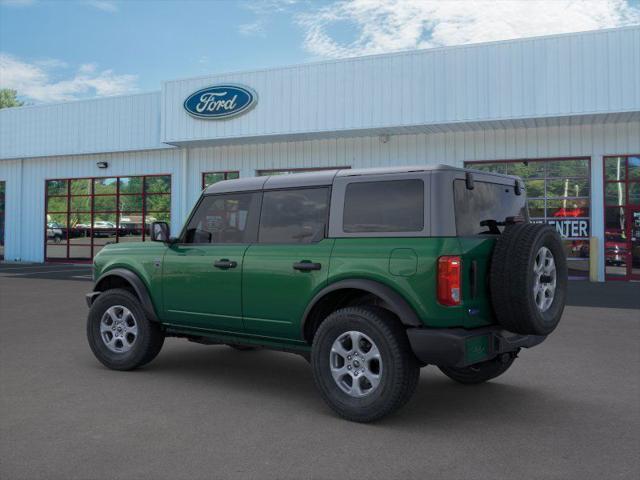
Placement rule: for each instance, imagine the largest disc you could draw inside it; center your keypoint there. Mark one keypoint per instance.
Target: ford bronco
(369, 274)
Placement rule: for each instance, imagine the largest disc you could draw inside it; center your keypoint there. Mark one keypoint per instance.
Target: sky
(52, 51)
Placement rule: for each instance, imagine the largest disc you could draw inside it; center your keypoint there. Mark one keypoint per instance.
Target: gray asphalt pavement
(569, 408)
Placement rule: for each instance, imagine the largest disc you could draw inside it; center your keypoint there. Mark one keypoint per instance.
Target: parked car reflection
(54, 232)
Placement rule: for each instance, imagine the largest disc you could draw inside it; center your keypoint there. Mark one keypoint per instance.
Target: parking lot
(569, 408)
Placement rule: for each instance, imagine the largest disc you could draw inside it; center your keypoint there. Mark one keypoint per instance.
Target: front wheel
(480, 372)
(363, 364)
(119, 332)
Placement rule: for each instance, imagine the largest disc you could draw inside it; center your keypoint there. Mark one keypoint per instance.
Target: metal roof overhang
(459, 126)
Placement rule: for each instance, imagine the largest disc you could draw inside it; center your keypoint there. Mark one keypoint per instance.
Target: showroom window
(622, 217)
(209, 178)
(2, 210)
(559, 194)
(85, 214)
(287, 171)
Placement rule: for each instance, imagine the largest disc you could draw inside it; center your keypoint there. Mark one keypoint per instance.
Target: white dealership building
(562, 111)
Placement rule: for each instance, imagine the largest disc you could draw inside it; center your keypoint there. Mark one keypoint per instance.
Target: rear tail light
(449, 280)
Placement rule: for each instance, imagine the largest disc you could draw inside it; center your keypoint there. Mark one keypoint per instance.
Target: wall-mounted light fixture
(102, 164)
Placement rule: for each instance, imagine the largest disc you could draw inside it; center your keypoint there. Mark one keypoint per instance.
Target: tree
(8, 98)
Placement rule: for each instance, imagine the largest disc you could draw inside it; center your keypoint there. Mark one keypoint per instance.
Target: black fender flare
(136, 283)
(397, 304)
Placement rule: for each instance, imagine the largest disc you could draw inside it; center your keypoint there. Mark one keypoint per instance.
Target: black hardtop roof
(324, 177)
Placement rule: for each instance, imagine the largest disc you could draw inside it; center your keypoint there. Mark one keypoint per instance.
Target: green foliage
(8, 98)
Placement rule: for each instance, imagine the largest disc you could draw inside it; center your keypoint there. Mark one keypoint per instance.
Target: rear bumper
(457, 347)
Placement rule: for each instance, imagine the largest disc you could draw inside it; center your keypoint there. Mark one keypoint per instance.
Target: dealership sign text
(568, 228)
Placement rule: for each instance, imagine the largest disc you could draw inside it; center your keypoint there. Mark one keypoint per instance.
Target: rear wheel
(480, 372)
(119, 332)
(363, 364)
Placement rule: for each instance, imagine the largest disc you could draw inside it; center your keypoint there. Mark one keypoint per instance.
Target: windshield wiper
(494, 224)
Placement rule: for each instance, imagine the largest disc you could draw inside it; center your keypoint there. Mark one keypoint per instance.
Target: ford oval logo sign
(220, 101)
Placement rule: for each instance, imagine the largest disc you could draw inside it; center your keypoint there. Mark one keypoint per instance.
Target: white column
(17, 253)
(597, 210)
(181, 210)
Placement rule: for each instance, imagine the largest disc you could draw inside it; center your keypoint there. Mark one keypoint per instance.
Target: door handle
(225, 264)
(306, 266)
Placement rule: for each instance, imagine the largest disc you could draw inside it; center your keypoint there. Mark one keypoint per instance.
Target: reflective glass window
(87, 213)
(294, 216)
(229, 218)
(615, 168)
(384, 206)
(209, 178)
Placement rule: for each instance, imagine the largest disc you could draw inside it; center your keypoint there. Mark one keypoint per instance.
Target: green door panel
(274, 294)
(387, 260)
(196, 293)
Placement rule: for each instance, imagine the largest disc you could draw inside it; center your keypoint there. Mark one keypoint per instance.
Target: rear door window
(294, 216)
(384, 206)
(487, 202)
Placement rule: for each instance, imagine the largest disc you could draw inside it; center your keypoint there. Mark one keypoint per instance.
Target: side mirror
(160, 232)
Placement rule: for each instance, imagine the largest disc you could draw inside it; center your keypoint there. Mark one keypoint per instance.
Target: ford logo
(220, 101)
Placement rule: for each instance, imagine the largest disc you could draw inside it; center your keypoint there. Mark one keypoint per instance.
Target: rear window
(384, 206)
(486, 202)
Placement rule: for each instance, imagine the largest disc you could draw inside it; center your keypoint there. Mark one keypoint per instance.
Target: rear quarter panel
(371, 258)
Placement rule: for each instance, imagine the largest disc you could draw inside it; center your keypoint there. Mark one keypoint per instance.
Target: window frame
(94, 246)
(626, 207)
(325, 233)
(336, 214)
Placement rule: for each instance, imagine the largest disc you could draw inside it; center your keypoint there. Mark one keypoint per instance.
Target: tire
(396, 366)
(528, 279)
(127, 350)
(480, 372)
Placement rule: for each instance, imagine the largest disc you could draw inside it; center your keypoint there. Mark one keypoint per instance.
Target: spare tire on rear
(528, 279)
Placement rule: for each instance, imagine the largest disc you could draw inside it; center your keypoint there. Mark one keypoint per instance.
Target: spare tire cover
(528, 279)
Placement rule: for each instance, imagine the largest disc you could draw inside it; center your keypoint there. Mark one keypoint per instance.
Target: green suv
(369, 274)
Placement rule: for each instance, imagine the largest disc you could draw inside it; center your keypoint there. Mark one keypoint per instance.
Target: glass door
(634, 247)
(622, 217)
(2, 189)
